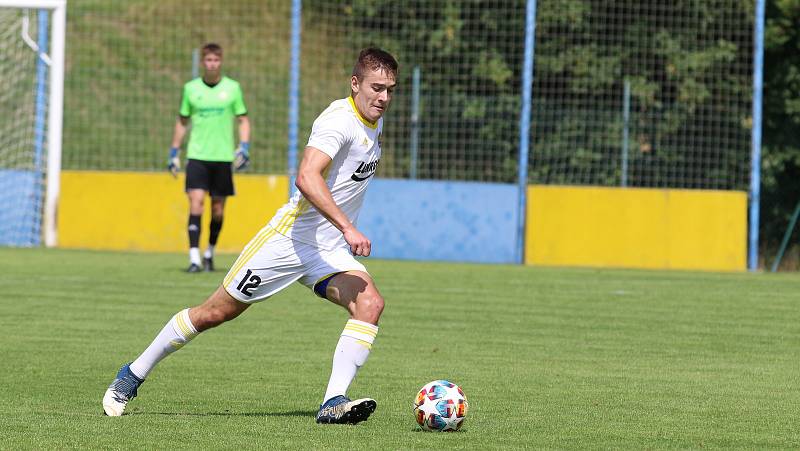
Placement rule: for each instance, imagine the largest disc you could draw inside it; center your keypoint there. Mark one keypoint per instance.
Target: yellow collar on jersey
(372, 125)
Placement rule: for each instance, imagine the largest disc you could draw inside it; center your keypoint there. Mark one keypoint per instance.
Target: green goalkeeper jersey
(212, 111)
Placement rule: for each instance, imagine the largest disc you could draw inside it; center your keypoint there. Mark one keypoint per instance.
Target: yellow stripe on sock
(362, 329)
(185, 329)
(372, 330)
(365, 344)
(181, 326)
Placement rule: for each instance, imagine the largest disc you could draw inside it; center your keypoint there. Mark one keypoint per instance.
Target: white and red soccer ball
(440, 406)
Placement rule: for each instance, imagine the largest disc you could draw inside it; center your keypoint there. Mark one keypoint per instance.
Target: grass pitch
(549, 358)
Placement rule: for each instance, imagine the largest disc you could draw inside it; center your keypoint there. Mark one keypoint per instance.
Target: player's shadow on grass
(292, 413)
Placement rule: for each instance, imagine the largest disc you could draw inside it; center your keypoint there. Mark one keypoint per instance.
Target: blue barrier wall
(20, 216)
(432, 220)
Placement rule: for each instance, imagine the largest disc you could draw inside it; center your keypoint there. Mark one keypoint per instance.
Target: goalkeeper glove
(242, 156)
(173, 163)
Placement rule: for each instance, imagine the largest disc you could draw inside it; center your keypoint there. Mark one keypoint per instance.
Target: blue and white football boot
(340, 410)
(121, 391)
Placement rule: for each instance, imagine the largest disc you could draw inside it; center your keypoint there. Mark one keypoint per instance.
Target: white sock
(178, 331)
(351, 353)
(194, 256)
(209, 253)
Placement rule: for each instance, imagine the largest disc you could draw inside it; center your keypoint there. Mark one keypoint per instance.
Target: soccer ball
(440, 406)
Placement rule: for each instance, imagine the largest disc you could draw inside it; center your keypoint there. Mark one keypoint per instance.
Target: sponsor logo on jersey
(365, 170)
(208, 112)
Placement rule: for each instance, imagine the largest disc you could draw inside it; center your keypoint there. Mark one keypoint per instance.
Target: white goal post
(55, 107)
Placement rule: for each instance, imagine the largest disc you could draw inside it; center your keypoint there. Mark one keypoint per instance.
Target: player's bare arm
(181, 125)
(313, 187)
(244, 128)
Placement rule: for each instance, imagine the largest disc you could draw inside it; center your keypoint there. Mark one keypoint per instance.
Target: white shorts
(271, 262)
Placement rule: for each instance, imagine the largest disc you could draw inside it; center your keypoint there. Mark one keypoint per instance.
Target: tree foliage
(781, 139)
(688, 65)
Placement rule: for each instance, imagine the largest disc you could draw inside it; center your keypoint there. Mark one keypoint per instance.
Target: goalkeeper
(210, 103)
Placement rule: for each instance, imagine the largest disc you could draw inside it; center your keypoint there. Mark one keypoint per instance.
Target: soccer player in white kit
(311, 239)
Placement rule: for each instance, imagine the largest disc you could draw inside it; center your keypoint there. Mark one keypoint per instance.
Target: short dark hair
(373, 58)
(212, 47)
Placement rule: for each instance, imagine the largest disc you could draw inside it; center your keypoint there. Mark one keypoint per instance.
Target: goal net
(29, 136)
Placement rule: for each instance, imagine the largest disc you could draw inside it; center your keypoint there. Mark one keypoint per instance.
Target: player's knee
(370, 308)
(196, 206)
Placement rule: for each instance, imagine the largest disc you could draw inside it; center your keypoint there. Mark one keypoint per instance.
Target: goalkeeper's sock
(194, 230)
(209, 253)
(213, 231)
(178, 331)
(194, 256)
(351, 353)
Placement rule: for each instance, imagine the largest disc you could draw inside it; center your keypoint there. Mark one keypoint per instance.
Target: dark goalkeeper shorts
(216, 177)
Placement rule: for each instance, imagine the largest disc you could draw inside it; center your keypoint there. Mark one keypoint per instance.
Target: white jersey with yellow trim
(353, 143)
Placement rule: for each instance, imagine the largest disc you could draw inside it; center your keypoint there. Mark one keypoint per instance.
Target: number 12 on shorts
(249, 281)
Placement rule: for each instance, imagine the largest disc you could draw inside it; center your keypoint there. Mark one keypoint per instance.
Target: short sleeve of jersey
(239, 107)
(330, 133)
(186, 108)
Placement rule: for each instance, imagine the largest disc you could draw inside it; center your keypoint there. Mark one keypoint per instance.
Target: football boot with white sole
(121, 391)
(341, 410)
